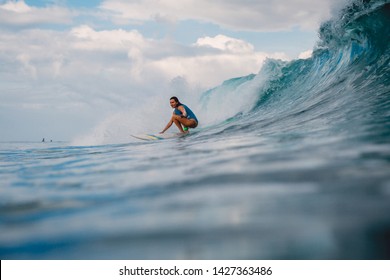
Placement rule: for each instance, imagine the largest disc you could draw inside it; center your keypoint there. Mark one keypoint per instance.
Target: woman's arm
(182, 110)
(167, 126)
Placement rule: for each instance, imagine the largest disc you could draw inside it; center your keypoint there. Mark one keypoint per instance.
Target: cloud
(209, 61)
(106, 40)
(18, 13)
(16, 6)
(226, 43)
(252, 15)
(94, 67)
(213, 60)
(27, 66)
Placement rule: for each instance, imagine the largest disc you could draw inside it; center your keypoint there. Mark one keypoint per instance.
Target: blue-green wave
(345, 83)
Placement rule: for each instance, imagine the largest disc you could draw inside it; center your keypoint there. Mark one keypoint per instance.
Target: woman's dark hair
(176, 99)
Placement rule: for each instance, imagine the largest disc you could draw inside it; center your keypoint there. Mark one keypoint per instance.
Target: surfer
(181, 116)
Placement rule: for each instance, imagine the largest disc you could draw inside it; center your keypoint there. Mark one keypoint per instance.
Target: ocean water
(298, 167)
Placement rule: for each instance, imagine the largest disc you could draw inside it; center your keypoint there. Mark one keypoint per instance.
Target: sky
(70, 68)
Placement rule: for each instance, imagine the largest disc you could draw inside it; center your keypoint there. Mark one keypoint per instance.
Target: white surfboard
(153, 137)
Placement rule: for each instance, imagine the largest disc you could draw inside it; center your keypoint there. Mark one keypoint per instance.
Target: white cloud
(254, 15)
(20, 14)
(206, 63)
(225, 43)
(24, 59)
(215, 59)
(16, 6)
(109, 65)
(87, 38)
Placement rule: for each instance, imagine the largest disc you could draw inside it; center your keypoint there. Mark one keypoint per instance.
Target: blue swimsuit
(190, 114)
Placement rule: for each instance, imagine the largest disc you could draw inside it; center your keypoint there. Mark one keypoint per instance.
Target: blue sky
(67, 67)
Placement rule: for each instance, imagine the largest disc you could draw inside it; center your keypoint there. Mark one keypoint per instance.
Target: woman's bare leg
(177, 120)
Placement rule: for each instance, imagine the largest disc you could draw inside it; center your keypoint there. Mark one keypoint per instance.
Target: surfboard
(154, 137)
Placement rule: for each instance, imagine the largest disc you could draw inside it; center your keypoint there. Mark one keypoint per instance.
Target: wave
(346, 78)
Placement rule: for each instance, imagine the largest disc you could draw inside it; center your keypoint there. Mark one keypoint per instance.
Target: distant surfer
(182, 116)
